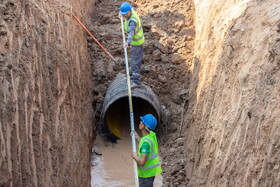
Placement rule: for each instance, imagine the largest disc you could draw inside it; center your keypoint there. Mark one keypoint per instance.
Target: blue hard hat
(150, 121)
(125, 8)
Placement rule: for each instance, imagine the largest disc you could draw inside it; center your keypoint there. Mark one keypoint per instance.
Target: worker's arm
(131, 32)
(140, 161)
(144, 150)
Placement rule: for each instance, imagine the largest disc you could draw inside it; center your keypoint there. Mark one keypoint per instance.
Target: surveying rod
(130, 107)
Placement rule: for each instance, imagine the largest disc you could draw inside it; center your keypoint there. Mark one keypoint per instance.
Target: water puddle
(114, 167)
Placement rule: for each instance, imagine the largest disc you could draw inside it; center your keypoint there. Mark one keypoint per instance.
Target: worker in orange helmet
(147, 157)
(133, 26)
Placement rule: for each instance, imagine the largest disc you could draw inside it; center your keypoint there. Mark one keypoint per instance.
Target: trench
(165, 70)
(223, 58)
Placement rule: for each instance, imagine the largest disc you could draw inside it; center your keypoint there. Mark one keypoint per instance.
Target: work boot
(134, 85)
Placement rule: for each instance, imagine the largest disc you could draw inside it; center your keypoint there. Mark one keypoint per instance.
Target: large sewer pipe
(115, 112)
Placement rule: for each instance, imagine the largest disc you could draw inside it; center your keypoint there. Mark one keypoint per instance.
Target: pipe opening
(117, 118)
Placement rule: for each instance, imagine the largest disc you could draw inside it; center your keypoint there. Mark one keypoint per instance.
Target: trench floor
(115, 166)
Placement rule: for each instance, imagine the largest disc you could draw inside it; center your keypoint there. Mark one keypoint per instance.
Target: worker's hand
(135, 133)
(137, 137)
(125, 45)
(134, 156)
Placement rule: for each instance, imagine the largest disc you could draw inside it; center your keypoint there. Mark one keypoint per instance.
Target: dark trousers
(146, 182)
(136, 61)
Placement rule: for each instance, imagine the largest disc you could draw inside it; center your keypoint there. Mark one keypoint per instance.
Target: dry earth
(233, 125)
(45, 94)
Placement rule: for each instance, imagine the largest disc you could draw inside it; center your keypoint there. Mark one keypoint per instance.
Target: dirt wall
(232, 122)
(45, 94)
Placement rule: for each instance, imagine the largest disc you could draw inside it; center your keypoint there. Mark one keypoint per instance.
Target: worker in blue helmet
(133, 26)
(147, 157)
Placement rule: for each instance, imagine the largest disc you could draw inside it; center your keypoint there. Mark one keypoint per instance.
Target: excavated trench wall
(45, 94)
(232, 132)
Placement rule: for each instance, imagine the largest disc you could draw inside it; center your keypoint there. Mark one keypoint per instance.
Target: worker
(147, 158)
(133, 26)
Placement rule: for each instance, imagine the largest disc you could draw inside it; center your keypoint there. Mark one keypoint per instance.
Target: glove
(125, 45)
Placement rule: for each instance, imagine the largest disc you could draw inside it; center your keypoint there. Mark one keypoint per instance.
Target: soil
(214, 66)
(232, 132)
(45, 95)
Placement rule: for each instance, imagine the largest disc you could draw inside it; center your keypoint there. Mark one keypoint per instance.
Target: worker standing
(147, 158)
(133, 26)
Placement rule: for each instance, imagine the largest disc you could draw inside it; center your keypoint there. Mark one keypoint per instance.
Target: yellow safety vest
(138, 37)
(152, 166)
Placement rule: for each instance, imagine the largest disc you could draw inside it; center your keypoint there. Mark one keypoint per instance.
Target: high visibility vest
(138, 37)
(152, 166)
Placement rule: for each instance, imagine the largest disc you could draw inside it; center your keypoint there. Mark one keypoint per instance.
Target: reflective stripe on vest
(138, 38)
(148, 167)
(153, 155)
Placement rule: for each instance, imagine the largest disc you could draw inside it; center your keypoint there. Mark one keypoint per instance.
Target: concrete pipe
(115, 111)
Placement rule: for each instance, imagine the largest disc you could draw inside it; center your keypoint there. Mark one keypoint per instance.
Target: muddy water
(114, 167)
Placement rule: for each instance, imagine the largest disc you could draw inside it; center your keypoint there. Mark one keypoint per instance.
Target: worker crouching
(147, 158)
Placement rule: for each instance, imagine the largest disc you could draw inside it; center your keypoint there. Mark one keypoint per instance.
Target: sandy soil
(232, 137)
(45, 94)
